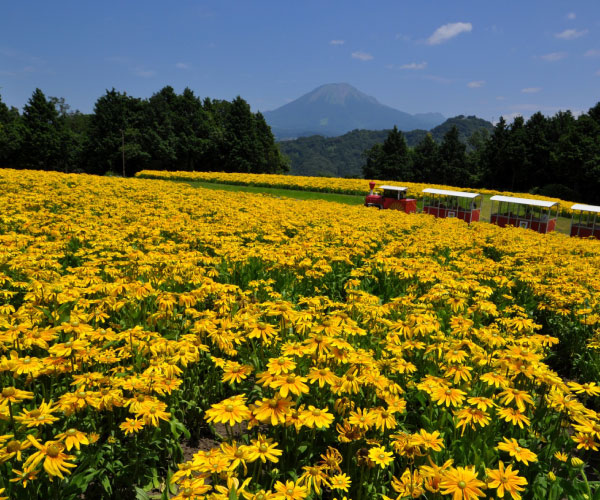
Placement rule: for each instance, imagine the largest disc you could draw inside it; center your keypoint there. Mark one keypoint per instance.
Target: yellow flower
(51, 452)
(41, 415)
(273, 410)
(14, 395)
(290, 490)
(340, 482)
(315, 417)
(559, 455)
(131, 425)
(230, 411)
(462, 483)
(73, 437)
(380, 456)
(290, 384)
(448, 396)
(506, 480)
(427, 440)
(516, 451)
(313, 477)
(264, 449)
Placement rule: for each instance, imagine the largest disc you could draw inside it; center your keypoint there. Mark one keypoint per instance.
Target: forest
(343, 156)
(556, 156)
(126, 134)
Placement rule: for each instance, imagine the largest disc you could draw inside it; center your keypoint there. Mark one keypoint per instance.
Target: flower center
(462, 485)
(7, 392)
(291, 379)
(13, 446)
(263, 448)
(53, 451)
(71, 432)
(316, 413)
(229, 408)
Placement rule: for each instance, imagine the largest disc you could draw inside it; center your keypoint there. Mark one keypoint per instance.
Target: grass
(563, 224)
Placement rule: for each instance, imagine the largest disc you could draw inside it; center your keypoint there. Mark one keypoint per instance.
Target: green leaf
(140, 494)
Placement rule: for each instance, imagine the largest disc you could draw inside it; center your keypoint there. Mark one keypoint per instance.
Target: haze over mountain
(336, 108)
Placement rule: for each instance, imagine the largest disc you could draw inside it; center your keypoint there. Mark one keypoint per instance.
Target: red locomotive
(390, 197)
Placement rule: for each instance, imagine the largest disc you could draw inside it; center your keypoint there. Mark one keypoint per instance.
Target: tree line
(167, 131)
(555, 156)
(342, 156)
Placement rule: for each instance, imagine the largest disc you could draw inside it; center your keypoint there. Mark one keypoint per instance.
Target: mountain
(337, 108)
(343, 156)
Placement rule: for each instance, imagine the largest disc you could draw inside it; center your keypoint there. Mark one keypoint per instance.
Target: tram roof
(445, 192)
(524, 201)
(393, 188)
(585, 208)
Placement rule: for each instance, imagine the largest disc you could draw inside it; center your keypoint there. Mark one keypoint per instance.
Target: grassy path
(563, 224)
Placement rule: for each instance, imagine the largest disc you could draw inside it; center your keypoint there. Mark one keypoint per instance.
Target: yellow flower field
(163, 341)
(322, 184)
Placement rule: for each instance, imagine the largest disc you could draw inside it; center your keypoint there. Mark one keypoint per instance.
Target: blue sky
(455, 57)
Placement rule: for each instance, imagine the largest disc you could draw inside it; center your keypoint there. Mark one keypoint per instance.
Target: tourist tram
(538, 215)
(445, 204)
(585, 221)
(391, 197)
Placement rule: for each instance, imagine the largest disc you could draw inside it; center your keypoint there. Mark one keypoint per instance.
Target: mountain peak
(338, 93)
(336, 108)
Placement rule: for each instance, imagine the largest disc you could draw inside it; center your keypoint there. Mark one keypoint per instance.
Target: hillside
(342, 156)
(335, 109)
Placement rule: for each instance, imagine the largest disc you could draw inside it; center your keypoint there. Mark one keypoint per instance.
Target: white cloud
(144, 73)
(531, 90)
(500, 98)
(571, 15)
(448, 31)
(476, 84)
(598, 72)
(554, 56)
(414, 65)
(571, 34)
(337, 42)
(592, 53)
(509, 118)
(181, 65)
(362, 56)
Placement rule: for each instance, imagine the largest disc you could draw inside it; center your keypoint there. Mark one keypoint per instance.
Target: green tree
(11, 136)
(391, 160)
(426, 160)
(453, 160)
(493, 158)
(117, 113)
(43, 135)
(192, 126)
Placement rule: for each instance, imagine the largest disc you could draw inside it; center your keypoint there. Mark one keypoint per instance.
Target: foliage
(322, 350)
(343, 156)
(166, 131)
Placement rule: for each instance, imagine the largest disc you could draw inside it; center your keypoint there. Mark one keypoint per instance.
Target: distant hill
(342, 156)
(337, 108)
